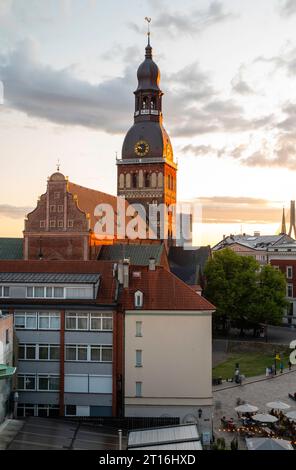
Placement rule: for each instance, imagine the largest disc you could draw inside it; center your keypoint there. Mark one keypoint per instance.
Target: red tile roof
(162, 291)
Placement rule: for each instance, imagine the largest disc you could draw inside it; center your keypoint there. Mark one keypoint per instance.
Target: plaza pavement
(254, 390)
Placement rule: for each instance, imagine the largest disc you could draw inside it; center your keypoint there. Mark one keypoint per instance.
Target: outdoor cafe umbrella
(265, 418)
(291, 415)
(246, 408)
(278, 405)
(261, 443)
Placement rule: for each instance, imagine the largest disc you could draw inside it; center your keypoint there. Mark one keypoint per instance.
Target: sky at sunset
(228, 71)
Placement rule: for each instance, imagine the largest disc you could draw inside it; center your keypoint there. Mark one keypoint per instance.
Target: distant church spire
(292, 219)
(283, 230)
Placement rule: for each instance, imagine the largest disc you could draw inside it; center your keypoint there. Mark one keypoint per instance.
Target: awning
(6, 371)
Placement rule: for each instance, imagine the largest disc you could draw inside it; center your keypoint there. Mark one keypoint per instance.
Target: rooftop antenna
(148, 28)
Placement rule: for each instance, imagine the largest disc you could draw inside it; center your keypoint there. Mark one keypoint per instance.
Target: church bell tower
(147, 173)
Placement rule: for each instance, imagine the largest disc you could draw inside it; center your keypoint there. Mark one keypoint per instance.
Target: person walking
(289, 364)
(281, 367)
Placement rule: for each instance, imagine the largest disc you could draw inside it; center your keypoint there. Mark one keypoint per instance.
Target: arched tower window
(134, 180)
(153, 103)
(145, 103)
(147, 180)
(121, 181)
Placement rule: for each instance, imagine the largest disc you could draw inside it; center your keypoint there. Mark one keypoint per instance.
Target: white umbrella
(265, 418)
(246, 408)
(278, 405)
(261, 443)
(291, 415)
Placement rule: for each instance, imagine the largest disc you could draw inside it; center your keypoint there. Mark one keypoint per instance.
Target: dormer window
(139, 299)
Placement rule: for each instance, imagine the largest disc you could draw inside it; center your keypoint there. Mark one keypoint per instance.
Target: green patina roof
(138, 254)
(6, 371)
(11, 248)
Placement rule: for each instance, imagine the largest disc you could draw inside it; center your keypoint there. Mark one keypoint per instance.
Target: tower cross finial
(148, 26)
(58, 165)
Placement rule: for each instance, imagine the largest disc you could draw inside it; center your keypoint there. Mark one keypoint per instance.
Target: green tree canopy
(243, 291)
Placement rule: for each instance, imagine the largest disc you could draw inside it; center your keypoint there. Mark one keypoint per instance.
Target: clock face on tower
(141, 148)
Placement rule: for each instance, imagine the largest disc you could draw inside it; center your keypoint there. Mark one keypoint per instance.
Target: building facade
(256, 245)
(285, 261)
(6, 360)
(64, 319)
(168, 348)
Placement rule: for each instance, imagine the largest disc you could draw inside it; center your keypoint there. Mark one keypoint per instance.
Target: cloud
(285, 61)
(240, 85)
(288, 8)
(14, 212)
(240, 210)
(176, 23)
(58, 96)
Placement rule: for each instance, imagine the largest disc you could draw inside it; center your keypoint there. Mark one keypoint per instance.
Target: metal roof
(264, 443)
(176, 437)
(11, 248)
(138, 254)
(49, 278)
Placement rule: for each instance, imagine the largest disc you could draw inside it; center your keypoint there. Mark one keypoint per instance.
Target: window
(79, 293)
(53, 208)
(289, 272)
(26, 382)
(52, 223)
(101, 321)
(70, 410)
(289, 290)
(46, 411)
(76, 352)
(134, 180)
(49, 352)
(27, 351)
(7, 336)
(49, 321)
(95, 353)
(43, 292)
(138, 358)
(56, 195)
(39, 292)
(60, 223)
(70, 223)
(138, 389)
(139, 328)
(60, 208)
(42, 223)
(138, 299)
(147, 180)
(4, 291)
(26, 321)
(77, 321)
(48, 382)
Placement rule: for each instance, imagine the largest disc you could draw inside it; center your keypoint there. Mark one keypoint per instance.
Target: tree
(244, 292)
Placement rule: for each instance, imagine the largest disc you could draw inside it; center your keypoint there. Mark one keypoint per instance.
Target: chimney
(126, 263)
(152, 264)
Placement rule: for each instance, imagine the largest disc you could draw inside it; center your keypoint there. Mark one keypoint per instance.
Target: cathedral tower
(147, 173)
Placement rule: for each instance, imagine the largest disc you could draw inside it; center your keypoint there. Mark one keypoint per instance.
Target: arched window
(139, 297)
(145, 103)
(160, 180)
(147, 180)
(152, 103)
(128, 180)
(153, 180)
(121, 181)
(134, 180)
(169, 181)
